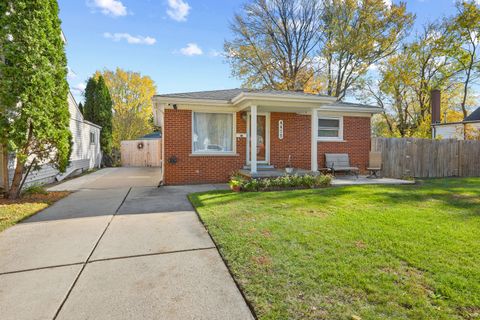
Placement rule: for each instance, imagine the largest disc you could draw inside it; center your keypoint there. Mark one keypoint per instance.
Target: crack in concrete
(151, 254)
(41, 268)
(89, 256)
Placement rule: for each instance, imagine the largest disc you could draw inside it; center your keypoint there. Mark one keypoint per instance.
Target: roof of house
(153, 135)
(474, 116)
(230, 95)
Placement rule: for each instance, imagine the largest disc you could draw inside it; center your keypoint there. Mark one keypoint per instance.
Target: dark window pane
(328, 133)
(328, 123)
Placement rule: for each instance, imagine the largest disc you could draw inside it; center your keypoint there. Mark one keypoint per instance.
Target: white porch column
(253, 139)
(314, 147)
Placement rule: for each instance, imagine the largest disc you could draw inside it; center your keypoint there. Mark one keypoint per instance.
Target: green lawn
(13, 211)
(369, 252)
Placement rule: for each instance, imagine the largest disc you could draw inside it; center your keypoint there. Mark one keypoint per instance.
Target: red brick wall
(296, 140)
(189, 169)
(196, 169)
(357, 135)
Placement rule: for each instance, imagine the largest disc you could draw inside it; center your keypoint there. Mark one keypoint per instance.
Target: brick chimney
(435, 98)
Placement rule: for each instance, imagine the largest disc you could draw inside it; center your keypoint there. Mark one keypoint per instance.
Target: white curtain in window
(212, 132)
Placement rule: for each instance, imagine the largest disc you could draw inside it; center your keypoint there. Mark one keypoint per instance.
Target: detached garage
(145, 151)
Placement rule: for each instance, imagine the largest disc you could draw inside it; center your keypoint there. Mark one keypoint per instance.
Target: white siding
(449, 131)
(453, 131)
(85, 155)
(82, 148)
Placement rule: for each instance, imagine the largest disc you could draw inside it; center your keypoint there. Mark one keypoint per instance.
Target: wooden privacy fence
(141, 153)
(426, 158)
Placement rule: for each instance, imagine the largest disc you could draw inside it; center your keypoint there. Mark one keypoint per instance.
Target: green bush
(34, 189)
(279, 183)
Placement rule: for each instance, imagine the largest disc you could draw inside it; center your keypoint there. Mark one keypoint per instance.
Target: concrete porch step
(260, 167)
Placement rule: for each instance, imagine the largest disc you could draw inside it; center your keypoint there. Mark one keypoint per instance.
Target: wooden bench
(340, 162)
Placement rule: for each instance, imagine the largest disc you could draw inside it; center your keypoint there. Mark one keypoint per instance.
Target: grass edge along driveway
(14, 211)
(358, 252)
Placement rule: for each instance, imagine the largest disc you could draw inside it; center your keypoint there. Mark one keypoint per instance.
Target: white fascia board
(63, 37)
(92, 124)
(189, 101)
(276, 97)
(351, 109)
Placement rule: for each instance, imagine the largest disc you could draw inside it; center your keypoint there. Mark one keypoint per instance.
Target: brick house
(206, 135)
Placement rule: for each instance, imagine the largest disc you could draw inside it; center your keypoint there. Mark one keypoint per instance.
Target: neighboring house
(86, 153)
(153, 135)
(451, 130)
(456, 130)
(206, 135)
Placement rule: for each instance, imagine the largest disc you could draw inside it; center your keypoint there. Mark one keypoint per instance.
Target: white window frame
(267, 136)
(340, 128)
(216, 153)
(92, 134)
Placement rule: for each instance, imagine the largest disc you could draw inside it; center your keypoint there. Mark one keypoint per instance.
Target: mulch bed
(49, 197)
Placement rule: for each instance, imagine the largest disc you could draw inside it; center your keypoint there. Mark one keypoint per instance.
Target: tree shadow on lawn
(459, 194)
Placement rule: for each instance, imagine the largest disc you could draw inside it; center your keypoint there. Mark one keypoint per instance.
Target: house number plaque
(280, 129)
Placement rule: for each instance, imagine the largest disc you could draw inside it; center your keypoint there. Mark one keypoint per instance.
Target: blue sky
(175, 42)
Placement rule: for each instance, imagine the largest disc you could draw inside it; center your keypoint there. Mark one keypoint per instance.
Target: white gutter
(281, 97)
(190, 101)
(352, 109)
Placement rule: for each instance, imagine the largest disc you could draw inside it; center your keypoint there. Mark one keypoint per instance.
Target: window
(330, 128)
(92, 137)
(213, 132)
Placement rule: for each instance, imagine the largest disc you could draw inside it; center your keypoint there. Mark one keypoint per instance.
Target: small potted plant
(289, 167)
(235, 185)
(236, 182)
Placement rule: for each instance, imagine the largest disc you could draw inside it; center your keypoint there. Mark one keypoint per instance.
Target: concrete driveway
(117, 248)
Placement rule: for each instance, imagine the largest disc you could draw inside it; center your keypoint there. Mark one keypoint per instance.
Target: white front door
(263, 138)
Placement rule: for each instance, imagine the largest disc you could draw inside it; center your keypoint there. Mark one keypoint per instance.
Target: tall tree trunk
(14, 191)
(4, 168)
(465, 93)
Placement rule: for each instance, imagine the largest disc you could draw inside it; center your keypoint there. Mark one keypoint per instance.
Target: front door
(263, 138)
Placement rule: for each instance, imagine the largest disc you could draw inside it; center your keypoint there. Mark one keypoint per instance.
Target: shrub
(283, 182)
(236, 182)
(323, 180)
(34, 189)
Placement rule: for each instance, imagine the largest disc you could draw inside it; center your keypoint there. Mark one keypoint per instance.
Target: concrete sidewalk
(116, 253)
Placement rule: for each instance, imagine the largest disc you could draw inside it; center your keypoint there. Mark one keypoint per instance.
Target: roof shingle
(474, 116)
(229, 94)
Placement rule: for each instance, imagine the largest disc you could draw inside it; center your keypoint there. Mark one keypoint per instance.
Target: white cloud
(388, 2)
(178, 10)
(78, 89)
(129, 38)
(192, 49)
(109, 7)
(215, 53)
